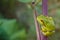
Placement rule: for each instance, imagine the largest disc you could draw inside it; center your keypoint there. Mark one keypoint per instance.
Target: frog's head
(48, 24)
(44, 20)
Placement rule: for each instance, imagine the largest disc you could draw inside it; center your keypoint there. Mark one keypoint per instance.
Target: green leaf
(25, 1)
(10, 26)
(19, 35)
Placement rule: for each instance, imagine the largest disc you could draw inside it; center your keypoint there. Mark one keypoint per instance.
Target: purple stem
(43, 37)
(45, 12)
(45, 7)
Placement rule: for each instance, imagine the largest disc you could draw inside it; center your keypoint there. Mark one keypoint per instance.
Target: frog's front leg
(46, 32)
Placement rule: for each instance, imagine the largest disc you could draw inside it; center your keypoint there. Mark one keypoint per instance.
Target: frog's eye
(42, 21)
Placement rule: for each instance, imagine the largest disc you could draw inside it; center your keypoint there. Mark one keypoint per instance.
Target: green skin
(47, 24)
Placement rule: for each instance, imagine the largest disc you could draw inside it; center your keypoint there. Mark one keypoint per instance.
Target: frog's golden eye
(42, 21)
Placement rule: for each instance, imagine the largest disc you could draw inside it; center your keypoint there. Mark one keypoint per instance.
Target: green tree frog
(47, 25)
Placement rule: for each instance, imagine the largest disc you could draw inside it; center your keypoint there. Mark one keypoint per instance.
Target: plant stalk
(45, 12)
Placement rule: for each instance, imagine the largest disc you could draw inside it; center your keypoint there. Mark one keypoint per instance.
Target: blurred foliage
(25, 1)
(16, 19)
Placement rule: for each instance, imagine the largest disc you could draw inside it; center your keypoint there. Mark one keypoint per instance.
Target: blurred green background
(17, 22)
